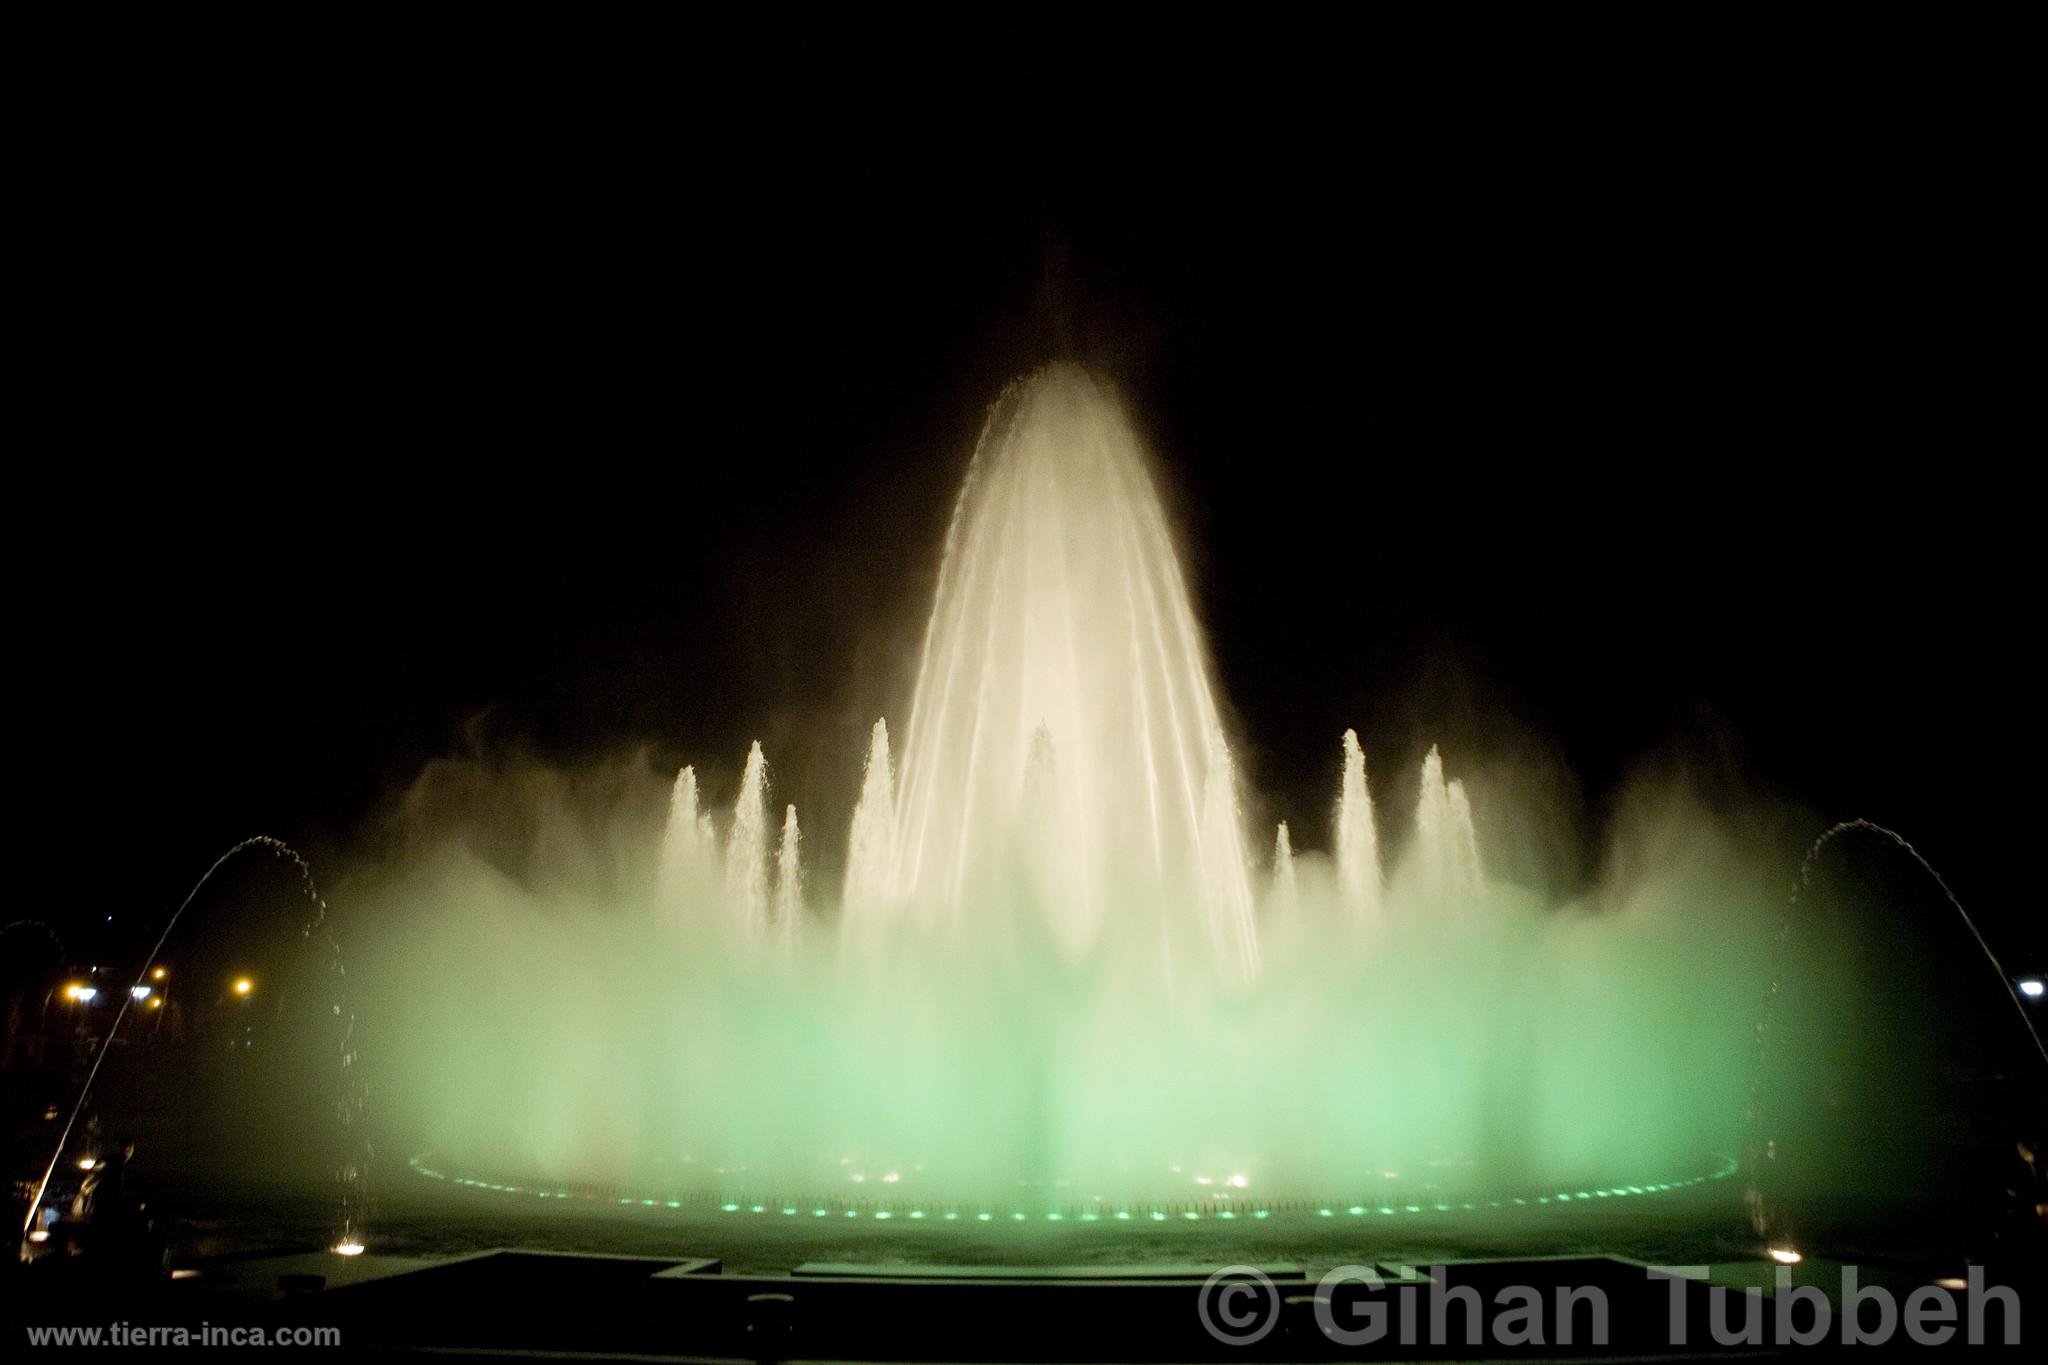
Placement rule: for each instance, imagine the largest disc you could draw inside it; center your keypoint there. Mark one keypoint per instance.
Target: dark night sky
(357, 435)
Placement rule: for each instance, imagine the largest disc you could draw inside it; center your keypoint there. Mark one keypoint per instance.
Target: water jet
(1057, 983)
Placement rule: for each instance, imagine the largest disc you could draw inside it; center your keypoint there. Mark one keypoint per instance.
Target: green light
(677, 1203)
(817, 1213)
(1262, 1213)
(984, 1217)
(1323, 1213)
(1123, 1215)
(1415, 1208)
(728, 1208)
(1017, 1217)
(882, 1213)
(1191, 1215)
(917, 1213)
(1158, 1217)
(1356, 1209)
(1386, 1208)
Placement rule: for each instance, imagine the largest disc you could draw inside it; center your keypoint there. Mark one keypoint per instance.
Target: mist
(1051, 963)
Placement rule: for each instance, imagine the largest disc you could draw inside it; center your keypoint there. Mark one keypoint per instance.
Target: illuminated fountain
(1057, 981)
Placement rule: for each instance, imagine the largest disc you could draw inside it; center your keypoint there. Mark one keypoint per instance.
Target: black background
(352, 439)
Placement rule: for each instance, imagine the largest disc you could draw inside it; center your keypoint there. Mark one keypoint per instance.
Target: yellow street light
(243, 985)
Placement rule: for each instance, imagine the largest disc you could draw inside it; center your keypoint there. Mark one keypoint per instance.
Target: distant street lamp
(243, 985)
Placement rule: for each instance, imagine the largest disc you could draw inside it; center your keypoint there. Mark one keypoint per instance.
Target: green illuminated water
(1055, 982)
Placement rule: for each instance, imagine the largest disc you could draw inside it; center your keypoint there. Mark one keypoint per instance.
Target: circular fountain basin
(1223, 1206)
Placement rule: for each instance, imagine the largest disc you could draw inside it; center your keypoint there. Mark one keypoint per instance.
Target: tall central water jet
(1063, 717)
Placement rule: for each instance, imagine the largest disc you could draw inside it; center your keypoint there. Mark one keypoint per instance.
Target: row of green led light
(417, 1165)
(1728, 1167)
(983, 1216)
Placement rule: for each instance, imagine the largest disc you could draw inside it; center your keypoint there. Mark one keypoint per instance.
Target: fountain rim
(837, 1209)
